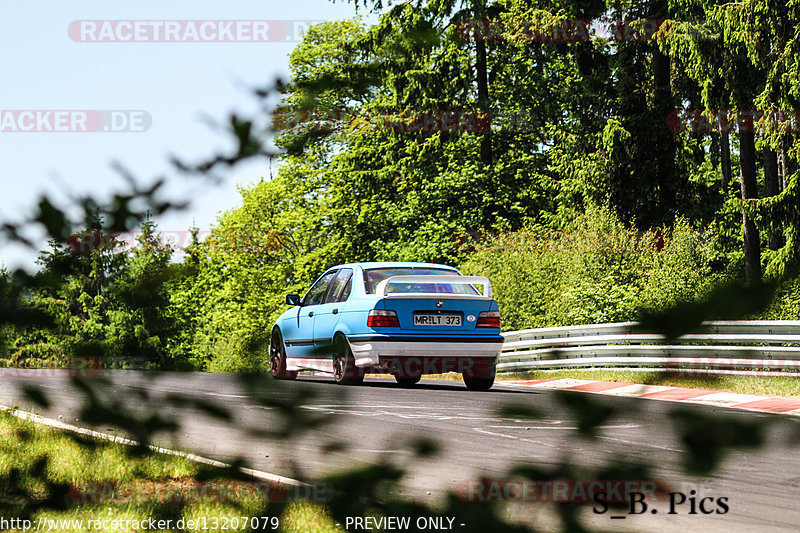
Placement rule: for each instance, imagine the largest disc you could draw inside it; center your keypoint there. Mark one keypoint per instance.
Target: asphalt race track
(380, 422)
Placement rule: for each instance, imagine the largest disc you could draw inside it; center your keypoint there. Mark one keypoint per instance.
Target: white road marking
(613, 426)
(513, 437)
(725, 398)
(171, 390)
(385, 412)
(562, 383)
(643, 444)
(636, 390)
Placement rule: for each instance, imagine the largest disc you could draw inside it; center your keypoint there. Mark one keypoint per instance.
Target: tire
(405, 381)
(345, 371)
(482, 383)
(277, 358)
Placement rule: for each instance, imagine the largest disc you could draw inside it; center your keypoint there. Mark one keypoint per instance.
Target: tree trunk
(747, 168)
(483, 82)
(771, 188)
(785, 167)
(666, 157)
(725, 149)
(483, 102)
(770, 172)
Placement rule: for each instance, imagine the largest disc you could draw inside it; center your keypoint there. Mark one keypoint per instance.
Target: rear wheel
(277, 358)
(407, 381)
(482, 383)
(345, 371)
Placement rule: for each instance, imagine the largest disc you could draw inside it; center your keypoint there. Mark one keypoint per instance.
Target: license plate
(437, 320)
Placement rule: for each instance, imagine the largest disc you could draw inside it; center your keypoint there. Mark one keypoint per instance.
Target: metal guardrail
(762, 348)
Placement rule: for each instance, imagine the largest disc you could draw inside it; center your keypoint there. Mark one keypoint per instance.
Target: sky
(161, 91)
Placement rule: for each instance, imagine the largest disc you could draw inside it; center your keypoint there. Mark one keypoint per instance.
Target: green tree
(103, 300)
(139, 323)
(238, 277)
(740, 55)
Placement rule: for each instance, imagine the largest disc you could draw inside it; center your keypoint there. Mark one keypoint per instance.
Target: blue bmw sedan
(404, 319)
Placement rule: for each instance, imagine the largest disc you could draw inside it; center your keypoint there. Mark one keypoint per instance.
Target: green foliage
(5, 296)
(389, 188)
(100, 301)
(239, 276)
(235, 353)
(588, 204)
(786, 305)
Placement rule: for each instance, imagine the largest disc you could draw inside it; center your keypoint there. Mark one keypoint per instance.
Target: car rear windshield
(374, 276)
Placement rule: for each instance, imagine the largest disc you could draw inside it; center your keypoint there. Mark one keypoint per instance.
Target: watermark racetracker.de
(733, 120)
(91, 241)
(561, 30)
(190, 492)
(74, 120)
(402, 121)
(79, 368)
(188, 31)
(638, 495)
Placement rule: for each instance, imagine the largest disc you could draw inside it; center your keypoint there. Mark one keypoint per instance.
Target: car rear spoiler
(382, 289)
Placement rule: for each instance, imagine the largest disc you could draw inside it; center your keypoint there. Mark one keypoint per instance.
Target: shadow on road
(433, 385)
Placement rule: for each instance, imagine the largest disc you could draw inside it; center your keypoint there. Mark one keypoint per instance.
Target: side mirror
(292, 299)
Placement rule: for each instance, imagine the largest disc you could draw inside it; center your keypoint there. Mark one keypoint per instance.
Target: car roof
(389, 264)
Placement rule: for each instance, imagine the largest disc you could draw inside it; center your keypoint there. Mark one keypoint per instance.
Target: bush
(239, 353)
(786, 305)
(595, 270)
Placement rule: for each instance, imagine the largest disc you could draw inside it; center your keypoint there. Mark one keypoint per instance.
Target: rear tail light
(488, 319)
(382, 318)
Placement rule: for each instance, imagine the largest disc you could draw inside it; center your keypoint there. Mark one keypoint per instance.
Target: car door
(299, 333)
(327, 314)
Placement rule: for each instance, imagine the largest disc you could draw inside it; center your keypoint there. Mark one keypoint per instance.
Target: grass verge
(78, 483)
(765, 386)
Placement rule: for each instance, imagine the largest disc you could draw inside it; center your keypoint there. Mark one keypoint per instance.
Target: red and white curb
(750, 402)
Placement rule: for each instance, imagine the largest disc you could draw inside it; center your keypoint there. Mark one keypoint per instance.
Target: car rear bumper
(426, 355)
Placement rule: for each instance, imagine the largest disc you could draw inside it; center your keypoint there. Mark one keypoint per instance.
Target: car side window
(342, 283)
(346, 291)
(317, 291)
